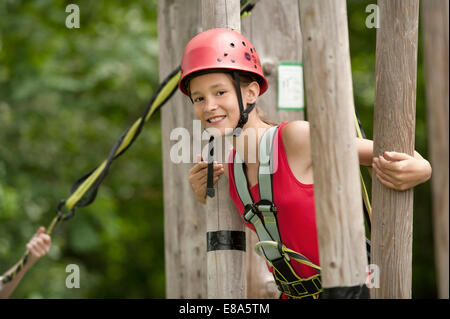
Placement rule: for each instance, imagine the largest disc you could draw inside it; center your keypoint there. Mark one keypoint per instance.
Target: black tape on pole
(225, 240)
(354, 292)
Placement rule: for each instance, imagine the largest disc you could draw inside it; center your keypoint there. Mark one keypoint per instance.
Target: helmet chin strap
(243, 118)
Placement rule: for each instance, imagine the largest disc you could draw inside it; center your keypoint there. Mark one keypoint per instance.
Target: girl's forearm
(11, 286)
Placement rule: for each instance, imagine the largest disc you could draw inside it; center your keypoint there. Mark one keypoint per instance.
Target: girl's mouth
(216, 119)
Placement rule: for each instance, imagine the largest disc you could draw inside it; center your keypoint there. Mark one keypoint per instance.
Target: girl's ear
(252, 92)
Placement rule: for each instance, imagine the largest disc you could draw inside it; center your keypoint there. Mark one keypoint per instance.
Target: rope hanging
(84, 190)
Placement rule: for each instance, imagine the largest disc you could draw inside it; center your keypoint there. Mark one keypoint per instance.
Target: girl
(222, 75)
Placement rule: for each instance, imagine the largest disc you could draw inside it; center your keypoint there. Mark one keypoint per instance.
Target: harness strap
(262, 215)
(293, 286)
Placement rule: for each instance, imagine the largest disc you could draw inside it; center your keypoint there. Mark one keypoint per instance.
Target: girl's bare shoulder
(296, 135)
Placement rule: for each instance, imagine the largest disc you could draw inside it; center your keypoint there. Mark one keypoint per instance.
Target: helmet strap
(243, 117)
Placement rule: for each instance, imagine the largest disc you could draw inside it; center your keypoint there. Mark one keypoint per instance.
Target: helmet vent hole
(251, 50)
(243, 43)
(219, 60)
(225, 54)
(233, 60)
(256, 66)
(232, 44)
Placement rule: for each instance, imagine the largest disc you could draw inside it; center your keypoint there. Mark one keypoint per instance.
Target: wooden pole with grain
(337, 189)
(435, 22)
(225, 268)
(184, 217)
(277, 20)
(394, 126)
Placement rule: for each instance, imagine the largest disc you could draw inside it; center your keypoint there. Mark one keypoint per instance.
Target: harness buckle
(266, 206)
(282, 252)
(249, 211)
(62, 216)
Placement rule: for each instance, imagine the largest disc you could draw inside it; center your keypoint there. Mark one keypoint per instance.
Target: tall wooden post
(184, 218)
(435, 45)
(337, 188)
(225, 268)
(394, 125)
(277, 20)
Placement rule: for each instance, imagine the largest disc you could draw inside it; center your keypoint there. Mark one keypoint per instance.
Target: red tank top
(295, 208)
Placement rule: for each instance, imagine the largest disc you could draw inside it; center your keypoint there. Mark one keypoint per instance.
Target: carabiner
(67, 216)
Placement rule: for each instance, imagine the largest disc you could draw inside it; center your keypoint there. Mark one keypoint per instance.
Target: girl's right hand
(198, 177)
(39, 245)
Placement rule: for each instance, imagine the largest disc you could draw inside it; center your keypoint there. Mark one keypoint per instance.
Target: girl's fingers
(385, 182)
(201, 175)
(36, 251)
(46, 239)
(385, 164)
(388, 167)
(203, 184)
(393, 183)
(396, 156)
(385, 176)
(199, 167)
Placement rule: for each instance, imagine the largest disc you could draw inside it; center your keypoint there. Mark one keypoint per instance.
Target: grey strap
(241, 181)
(265, 163)
(265, 172)
(267, 231)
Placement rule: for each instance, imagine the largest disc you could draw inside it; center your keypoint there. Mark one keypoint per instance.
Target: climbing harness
(263, 216)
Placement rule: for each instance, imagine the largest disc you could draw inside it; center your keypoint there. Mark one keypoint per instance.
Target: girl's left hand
(401, 171)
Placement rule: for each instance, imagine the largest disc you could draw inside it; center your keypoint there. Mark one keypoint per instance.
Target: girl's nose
(210, 105)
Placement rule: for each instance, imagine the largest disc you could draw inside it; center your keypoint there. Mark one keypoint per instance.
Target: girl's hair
(263, 116)
(245, 79)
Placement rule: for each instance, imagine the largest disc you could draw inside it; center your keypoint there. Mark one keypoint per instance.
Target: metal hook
(67, 216)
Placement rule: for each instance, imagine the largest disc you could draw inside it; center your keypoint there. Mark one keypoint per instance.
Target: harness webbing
(262, 215)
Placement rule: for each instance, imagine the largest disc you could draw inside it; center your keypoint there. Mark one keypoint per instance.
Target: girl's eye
(220, 93)
(198, 99)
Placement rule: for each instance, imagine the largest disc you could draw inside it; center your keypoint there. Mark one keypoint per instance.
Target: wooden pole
(394, 125)
(184, 218)
(337, 188)
(435, 43)
(225, 268)
(277, 20)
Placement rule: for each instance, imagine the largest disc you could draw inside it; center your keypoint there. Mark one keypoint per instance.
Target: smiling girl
(222, 75)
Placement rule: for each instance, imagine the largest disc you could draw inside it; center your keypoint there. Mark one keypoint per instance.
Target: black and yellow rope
(84, 190)
(366, 199)
(91, 181)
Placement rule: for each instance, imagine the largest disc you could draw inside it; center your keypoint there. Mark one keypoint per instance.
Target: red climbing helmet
(220, 49)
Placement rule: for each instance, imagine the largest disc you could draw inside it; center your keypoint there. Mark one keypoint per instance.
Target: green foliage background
(66, 95)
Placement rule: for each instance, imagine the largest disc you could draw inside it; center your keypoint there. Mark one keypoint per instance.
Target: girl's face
(215, 102)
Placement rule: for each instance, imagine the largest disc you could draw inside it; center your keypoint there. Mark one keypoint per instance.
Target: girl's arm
(395, 170)
(38, 247)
